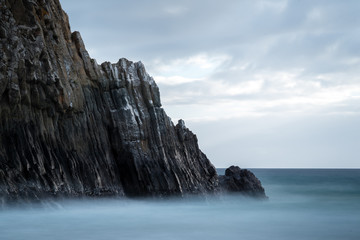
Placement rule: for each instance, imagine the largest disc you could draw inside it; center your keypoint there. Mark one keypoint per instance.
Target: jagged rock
(71, 127)
(237, 180)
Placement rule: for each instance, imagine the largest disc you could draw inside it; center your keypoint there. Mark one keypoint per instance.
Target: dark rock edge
(70, 127)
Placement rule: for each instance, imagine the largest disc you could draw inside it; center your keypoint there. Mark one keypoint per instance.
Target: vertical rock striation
(69, 126)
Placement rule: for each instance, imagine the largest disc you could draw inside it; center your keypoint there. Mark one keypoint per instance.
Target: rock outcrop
(237, 180)
(71, 127)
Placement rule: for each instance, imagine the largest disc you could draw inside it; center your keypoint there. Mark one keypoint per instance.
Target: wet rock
(237, 180)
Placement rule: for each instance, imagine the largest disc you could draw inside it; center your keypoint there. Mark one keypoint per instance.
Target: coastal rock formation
(237, 180)
(72, 127)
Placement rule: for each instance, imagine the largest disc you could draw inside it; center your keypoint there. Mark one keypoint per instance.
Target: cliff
(71, 127)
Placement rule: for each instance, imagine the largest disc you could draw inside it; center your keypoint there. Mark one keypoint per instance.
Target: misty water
(303, 204)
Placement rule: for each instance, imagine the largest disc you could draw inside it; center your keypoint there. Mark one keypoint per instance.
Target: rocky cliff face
(69, 126)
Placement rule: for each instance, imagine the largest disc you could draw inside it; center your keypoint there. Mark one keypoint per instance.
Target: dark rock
(71, 127)
(237, 180)
(3, 84)
(2, 32)
(14, 93)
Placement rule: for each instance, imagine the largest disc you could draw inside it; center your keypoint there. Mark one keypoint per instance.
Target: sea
(303, 204)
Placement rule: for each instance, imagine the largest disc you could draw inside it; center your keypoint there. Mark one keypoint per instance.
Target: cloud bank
(267, 60)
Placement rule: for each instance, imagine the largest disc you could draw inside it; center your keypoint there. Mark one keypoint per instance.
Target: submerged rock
(237, 180)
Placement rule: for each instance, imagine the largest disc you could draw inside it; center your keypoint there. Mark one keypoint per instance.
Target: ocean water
(303, 204)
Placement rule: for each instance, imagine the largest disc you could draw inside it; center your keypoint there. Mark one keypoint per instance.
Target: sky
(263, 83)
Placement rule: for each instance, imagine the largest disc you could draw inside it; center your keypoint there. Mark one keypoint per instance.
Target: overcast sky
(263, 83)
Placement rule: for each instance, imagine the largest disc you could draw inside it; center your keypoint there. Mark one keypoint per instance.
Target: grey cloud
(142, 30)
(206, 26)
(318, 41)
